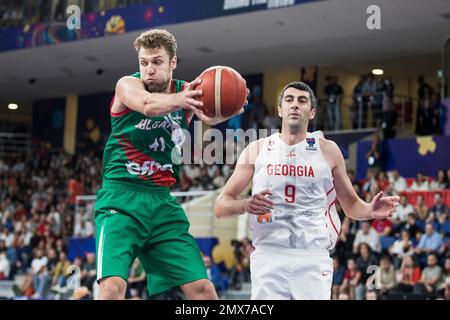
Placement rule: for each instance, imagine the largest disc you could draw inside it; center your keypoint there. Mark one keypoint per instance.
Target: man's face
(296, 108)
(429, 229)
(403, 200)
(431, 261)
(365, 227)
(156, 68)
(437, 198)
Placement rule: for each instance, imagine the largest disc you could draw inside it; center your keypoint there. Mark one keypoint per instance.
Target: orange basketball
(224, 92)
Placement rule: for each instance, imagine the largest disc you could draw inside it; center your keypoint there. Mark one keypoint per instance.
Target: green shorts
(150, 225)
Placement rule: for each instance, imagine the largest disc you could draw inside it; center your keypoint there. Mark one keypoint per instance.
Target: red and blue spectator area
(408, 156)
(428, 196)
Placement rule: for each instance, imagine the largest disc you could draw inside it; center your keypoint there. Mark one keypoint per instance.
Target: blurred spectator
(424, 90)
(382, 226)
(408, 275)
(403, 210)
(367, 235)
(427, 119)
(359, 107)
(192, 171)
(374, 155)
(218, 180)
(344, 245)
(446, 295)
(398, 183)
(421, 183)
(60, 272)
(74, 189)
(89, 271)
(401, 247)
(440, 110)
(41, 276)
(215, 276)
(387, 275)
(371, 184)
(411, 225)
(383, 182)
(84, 229)
(365, 259)
(448, 179)
(439, 207)
(5, 266)
(389, 114)
(431, 276)
(204, 180)
(440, 181)
(352, 279)
(371, 295)
(334, 93)
(445, 281)
(338, 277)
(237, 270)
(369, 90)
(429, 243)
(421, 208)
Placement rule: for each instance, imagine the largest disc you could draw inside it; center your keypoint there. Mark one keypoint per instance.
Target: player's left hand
(211, 121)
(383, 207)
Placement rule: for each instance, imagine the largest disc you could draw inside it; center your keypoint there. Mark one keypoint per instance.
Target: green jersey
(139, 149)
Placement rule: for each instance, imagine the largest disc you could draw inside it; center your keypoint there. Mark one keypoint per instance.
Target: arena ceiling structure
(319, 33)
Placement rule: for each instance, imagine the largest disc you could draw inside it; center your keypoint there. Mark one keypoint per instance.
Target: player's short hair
(155, 39)
(299, 86)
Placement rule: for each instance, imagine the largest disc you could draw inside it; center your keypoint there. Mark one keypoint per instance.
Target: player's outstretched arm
(132, 93)
(381, 207)
(228, 203)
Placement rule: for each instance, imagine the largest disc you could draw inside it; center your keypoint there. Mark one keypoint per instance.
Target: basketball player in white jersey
(297, 177)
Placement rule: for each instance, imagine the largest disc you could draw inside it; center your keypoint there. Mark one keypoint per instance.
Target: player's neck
(169, 87)
(291, 138)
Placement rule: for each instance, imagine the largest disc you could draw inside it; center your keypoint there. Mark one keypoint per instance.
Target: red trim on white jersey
(328, 192)
(329, 216)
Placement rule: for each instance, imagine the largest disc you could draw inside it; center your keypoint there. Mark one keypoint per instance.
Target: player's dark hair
(299, 86)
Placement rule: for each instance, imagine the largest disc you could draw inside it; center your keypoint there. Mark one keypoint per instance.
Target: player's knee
(208, 291)
(201, 289)
(112, 289)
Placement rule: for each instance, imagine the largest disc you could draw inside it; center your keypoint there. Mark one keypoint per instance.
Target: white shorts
(285, 274)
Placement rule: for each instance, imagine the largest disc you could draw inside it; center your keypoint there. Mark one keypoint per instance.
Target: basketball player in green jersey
(135, 215)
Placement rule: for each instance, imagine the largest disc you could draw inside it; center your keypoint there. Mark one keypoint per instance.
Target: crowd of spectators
(411, 249)
(38, 215)
(17, 13)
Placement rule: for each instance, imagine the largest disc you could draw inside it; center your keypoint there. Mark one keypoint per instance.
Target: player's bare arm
(131, 93)
(228, 203)
(381, 207)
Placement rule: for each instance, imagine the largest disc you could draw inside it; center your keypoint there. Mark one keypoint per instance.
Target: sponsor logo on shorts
(147, 169)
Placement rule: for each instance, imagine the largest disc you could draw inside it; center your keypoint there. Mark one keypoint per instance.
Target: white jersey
(300, 179)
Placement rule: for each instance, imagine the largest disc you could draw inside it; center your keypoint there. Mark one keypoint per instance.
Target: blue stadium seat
(386, 242)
